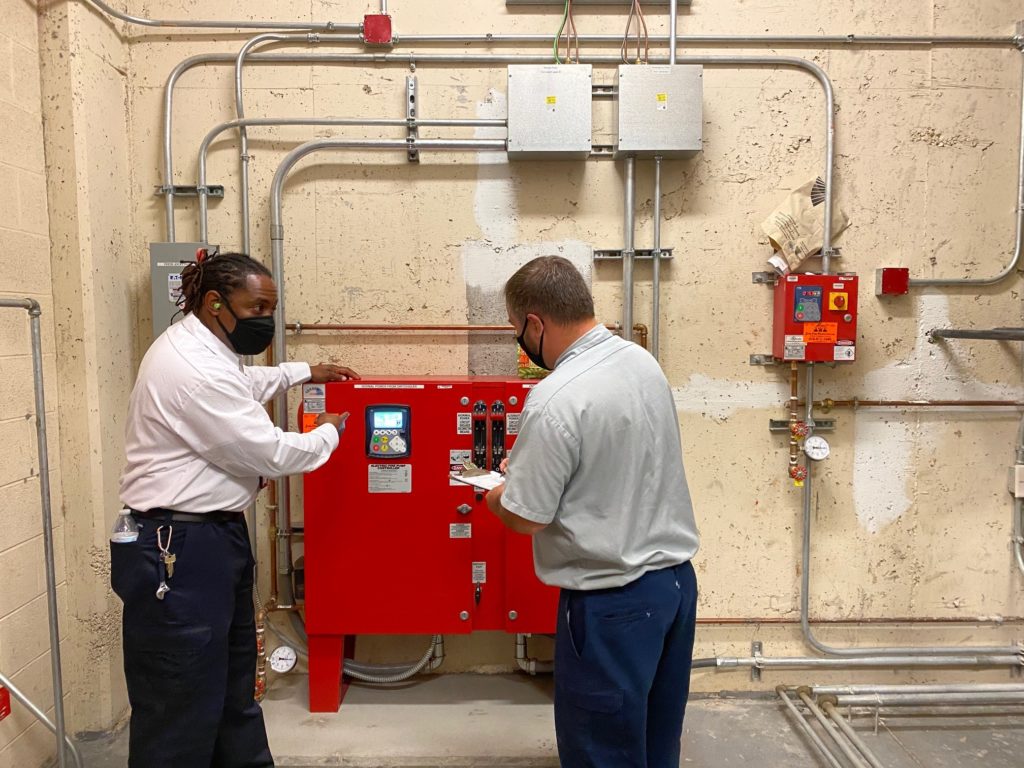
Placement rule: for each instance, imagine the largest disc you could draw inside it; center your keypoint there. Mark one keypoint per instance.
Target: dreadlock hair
(221, 272)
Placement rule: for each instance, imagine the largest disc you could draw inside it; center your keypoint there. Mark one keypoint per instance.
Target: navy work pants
(190, 659)
(622, 671)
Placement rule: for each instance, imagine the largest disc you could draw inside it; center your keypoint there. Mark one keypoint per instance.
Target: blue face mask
(538, 358)
(252, 335)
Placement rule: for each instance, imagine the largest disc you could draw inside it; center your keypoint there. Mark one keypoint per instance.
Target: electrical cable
(557, 42)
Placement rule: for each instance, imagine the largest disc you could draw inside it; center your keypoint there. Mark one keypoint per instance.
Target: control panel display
(388, 431)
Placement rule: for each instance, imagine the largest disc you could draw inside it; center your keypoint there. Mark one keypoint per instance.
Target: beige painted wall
(911, 520)
(25, 272)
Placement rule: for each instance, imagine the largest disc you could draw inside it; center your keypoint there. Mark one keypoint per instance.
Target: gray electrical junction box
(659, 110)
(166, 262)
(549, 111)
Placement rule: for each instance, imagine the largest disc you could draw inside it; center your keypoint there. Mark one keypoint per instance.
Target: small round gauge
(283, 659)
(816, 448)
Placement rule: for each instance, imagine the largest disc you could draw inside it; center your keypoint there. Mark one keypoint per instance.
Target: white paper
(484, 482)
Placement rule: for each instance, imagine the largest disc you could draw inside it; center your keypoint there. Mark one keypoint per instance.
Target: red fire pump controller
(815, 318)
(393, 545)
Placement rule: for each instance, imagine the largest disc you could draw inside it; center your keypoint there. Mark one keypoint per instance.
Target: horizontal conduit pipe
(204, 148)
(854, 690)
(931, 699)
(200, 24)
(277, 268)
(897, 662)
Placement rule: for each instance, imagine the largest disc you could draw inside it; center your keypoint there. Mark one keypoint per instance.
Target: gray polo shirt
(598, 459)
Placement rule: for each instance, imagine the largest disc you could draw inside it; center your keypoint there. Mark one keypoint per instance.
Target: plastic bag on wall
(796, 229)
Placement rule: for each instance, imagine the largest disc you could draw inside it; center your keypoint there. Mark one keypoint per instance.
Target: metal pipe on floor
(204, 147)
(865, 662)
(284, 525)
(40, 716)
(931, 699)
(628, 252)
(836, 716)
(837, 736)
(816, 740)
(34, 312)
(855, 690)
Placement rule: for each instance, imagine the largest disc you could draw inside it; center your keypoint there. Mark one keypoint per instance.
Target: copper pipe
(828, 404)
(794, 384)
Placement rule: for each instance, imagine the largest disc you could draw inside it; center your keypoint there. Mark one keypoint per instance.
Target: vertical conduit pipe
(656, 262)
(673, 21)
(34, 312)
(628, 252)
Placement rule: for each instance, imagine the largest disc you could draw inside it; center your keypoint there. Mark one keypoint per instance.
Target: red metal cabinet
(392, 544)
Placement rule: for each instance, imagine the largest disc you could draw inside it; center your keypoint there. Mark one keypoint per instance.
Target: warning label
(512, 423)
(821, 333)
(464, 423)
(390, 478)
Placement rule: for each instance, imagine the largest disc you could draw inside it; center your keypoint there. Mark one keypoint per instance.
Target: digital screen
(387, 420)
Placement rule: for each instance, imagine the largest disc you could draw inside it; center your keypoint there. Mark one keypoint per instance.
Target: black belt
(188, 517)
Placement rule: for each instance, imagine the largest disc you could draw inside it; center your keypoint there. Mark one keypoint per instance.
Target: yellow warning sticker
(552, 100)
(821, 333)
(662, 97)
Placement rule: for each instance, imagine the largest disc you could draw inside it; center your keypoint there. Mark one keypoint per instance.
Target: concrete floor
(506, 722)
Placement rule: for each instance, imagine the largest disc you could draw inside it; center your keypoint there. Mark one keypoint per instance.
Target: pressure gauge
(283, 659)
(816, 447)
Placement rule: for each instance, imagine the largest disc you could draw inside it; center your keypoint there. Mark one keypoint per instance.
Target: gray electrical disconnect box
(659, 110)
(549, 111)
(166, 262)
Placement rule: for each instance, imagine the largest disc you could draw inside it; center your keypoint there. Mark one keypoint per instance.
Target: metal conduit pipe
(851, 40)
(837, 736)
(284, 525)
(34, 312)
(859, 662)
(40, 716)
(656, 262)
(931, 699)
(1019, 240)
(853, 690)
(204, 148)
(628, 252)
(809, 732)
(836, 716)
(199, 24)
(673, 24)
(527, 663)
(805, 579)
(327, 58)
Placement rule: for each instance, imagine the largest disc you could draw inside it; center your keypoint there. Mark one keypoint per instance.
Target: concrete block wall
(25, 272)
(911, 516)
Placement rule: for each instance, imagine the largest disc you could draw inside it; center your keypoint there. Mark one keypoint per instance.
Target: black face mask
(252, 335)
(538, 358)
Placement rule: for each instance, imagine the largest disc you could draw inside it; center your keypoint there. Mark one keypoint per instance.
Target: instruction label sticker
(821, 333)
(455, 459)
(460, 531)
(464, 423)
(479, 573)
(314, 405)
(308, 422)
(174, 287)
(314, 399)
(794, 352)
(390, 478)
(662, 99)
(512, 423)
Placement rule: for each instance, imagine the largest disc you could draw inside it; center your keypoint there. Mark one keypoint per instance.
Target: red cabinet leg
(325, 672)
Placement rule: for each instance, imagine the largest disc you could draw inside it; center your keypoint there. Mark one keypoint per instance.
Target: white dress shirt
(198, 438)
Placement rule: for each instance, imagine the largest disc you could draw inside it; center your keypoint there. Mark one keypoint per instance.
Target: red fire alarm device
(892, 281)
(815, 318)
(5, 702)
(377, 29)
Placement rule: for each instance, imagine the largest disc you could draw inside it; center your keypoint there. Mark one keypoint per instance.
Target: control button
(799, 315)
(376, 447)
(799, 307)
(398, 445)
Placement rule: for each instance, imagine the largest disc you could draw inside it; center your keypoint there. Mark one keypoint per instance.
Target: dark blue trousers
(190, 659)
(622, 671)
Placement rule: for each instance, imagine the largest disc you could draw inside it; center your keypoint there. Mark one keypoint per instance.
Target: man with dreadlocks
(198, 443)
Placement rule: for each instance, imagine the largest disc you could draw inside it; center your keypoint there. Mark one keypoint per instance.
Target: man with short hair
(596, 477)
